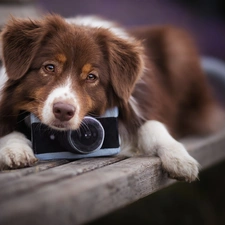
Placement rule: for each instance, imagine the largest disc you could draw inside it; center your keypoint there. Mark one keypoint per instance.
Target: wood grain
(51, 176)
(12, 175)
(208, 150)
(81, 191)
(85, 197)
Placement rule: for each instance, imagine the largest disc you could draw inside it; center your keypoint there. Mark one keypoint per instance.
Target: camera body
(97, 136)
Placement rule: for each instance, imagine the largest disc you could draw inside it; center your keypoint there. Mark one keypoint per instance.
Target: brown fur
(171, 89)
(180, 95)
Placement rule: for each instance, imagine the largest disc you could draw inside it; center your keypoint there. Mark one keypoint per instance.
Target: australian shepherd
(64, 69)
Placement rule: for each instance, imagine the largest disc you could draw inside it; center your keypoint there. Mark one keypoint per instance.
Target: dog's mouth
(53, 123)
(63, 126)
(60, 126)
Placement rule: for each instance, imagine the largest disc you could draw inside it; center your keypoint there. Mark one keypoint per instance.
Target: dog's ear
(20, 40)
(126, 63)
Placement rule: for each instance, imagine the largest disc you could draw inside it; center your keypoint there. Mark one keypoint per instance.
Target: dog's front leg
(154, 139)
(15, 151)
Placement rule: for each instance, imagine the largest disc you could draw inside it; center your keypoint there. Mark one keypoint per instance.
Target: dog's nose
(63, 111)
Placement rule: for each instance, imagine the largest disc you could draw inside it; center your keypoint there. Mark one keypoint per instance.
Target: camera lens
(88, 138)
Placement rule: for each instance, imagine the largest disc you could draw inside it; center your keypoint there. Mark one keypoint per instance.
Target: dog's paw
(178, 163)
(16, 155)
(154, 139)
(15, 151)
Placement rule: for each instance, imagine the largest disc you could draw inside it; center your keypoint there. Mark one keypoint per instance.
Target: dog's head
(61, 71)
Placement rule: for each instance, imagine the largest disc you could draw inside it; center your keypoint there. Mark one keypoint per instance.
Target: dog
(64, 69)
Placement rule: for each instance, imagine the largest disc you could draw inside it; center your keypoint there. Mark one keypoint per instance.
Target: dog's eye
(50, 68)
(91, 77)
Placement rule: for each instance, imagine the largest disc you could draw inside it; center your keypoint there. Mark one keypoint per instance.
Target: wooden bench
(76, 192)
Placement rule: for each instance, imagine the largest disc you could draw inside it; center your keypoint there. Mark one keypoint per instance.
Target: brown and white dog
(64, 69)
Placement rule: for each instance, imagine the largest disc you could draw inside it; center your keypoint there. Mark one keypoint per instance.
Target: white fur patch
(154, 139)
(15, 151)
(96, 22)
(134, 105)
(3, 79)
(63, 93)
(128, 143)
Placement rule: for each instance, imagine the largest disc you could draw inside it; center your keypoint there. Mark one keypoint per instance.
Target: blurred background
(205, 19)
(189, 204)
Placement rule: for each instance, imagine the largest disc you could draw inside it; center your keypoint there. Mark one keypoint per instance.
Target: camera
(97, 136)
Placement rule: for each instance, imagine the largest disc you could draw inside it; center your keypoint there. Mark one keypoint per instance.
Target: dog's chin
(59, 127)
(62, 126)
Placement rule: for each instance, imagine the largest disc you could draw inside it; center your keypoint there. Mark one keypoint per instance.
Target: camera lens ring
(92, 131)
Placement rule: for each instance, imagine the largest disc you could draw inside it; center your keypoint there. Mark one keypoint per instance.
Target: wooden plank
(80, 199)
(208, 150)
(52, 176)
(12, 175)
(85, 197)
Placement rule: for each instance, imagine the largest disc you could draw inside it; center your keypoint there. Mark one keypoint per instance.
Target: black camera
(97, 136)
